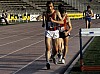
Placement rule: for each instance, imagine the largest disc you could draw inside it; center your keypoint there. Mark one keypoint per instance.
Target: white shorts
(52, 34)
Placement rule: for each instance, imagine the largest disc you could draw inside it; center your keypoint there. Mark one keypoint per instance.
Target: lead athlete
(51, 18)
(88, 14)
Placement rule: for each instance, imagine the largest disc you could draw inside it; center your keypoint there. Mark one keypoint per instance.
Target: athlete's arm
(43, 23)
(83, 13)
(41, 16)
(69, 25)
(92, 13)
(60, 21)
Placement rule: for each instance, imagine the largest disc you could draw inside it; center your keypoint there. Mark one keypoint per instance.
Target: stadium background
(28, 10)
(18, 58)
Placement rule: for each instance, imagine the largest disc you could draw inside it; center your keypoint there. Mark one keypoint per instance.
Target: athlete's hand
(43, 25)
(51, 19)
(66, 33)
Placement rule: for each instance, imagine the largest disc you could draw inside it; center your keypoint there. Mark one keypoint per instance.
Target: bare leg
(48, 48)
(61, 49)
(55, 50)
(55, 46)
(87, 24)
(65, 47)
(61, 45)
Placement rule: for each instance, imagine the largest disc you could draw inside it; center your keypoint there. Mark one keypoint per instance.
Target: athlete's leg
(55, 49)
(48, 48)
(87, 23)
(61, 48)
(55, 46)
(60, 45)
(47, 53)
(65, 48)
(55, 41)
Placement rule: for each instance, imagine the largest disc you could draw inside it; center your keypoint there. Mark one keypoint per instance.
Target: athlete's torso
(63, 27)
(87, 13)
(49, 24)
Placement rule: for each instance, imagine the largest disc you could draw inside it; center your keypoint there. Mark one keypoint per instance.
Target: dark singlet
(87, 12)
(51, 25)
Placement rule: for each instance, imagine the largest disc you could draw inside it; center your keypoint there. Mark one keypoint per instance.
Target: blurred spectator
(4, 16)
(88, 14)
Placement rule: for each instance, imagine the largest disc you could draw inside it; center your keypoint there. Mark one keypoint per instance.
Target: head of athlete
(88, 7)
(50, 6)
(62, 9)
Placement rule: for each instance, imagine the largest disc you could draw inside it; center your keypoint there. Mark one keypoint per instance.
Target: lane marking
(16, 27)
(21, 49)
(22, 33)
(28, 64)
(18, 34)
(19, 40)
(36, 59)
(41, 55)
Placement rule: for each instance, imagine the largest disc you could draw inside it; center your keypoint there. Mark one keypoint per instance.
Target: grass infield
(91, 57)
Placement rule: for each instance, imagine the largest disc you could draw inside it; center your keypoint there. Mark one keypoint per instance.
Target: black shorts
(62, 35)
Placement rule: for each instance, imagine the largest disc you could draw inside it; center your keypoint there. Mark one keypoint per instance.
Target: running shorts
(52, 34)
(62, 34)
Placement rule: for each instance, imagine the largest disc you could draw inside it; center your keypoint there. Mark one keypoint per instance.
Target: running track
(22, 48)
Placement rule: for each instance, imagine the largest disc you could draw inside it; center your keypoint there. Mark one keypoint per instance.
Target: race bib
(62, 29)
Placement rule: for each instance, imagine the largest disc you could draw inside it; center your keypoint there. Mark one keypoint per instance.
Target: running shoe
(63, 61)
(48, 65)
(59, 57)
(54, 60)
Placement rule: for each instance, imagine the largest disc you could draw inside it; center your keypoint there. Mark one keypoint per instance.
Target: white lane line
(12, 30)
(21, 49)
(39, 56)
(15, 27)
(73, 36)
(19, 40)
(33, 60)
(22, 33)
(36, 59)
(19, 34)
(28, 64)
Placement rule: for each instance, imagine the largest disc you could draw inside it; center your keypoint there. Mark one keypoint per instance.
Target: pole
(81, 55)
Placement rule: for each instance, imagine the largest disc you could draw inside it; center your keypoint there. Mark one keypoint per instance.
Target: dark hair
(61, 8)
(49, 2)
(88, 7)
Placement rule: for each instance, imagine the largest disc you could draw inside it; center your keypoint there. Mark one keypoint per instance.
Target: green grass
(91, 57)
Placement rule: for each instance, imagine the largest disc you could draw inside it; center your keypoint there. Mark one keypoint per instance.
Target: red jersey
(64, 26)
